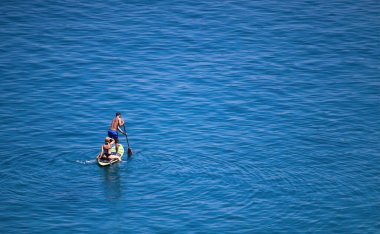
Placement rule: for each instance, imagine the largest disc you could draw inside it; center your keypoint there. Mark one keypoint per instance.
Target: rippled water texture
(244, 116)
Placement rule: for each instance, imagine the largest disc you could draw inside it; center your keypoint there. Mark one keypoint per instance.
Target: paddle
(129, 148)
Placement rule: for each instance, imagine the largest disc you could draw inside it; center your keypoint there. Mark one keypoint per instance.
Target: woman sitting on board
(105, 152)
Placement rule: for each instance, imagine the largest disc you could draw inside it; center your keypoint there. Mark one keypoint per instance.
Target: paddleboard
(120, 153)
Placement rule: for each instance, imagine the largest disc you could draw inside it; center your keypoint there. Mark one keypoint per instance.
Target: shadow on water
(112, 181)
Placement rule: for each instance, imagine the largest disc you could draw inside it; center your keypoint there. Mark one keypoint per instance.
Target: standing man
(115, 126)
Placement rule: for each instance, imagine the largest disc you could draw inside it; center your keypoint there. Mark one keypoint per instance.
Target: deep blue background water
(244, 116)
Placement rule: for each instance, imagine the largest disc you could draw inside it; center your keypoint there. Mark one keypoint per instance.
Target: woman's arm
(101, 152)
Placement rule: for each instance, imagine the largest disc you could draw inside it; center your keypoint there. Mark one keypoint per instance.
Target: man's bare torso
(115, 124)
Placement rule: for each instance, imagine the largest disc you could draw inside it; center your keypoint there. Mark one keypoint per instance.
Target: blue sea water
(244, 116)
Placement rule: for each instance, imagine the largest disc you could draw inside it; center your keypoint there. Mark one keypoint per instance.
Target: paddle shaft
(126, 135)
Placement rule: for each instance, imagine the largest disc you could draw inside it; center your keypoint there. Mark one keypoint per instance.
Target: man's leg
(117, 144)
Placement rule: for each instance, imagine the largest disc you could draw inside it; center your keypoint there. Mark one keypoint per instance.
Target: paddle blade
(129, 151)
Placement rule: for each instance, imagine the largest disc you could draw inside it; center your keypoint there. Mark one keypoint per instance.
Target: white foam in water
(86, 161)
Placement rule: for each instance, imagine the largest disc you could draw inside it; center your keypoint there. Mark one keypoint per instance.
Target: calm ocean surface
(244, 116)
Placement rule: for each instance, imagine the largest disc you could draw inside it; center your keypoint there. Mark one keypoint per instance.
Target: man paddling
(115, 126)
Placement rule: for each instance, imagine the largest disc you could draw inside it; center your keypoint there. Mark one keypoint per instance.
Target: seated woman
(105, 151)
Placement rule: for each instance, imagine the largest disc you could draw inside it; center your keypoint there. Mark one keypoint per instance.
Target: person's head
(118, 114)
(107, 140)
